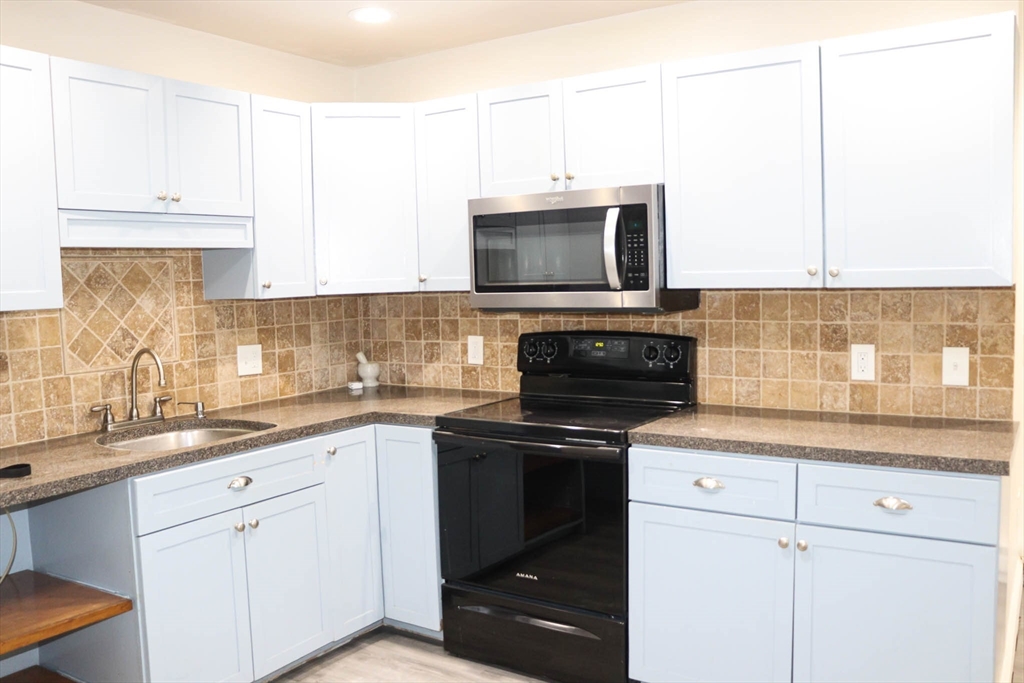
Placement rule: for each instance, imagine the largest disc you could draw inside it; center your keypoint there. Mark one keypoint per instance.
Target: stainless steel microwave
(579, 250)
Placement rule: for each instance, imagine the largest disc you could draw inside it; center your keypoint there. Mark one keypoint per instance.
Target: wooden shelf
(35, 674)
(35, 607)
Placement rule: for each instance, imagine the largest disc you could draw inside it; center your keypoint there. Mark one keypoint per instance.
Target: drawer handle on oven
(893, 503)
(512, 615)
(240, 483)
(708, 483)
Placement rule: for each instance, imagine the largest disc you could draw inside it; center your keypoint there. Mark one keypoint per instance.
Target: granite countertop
(963, 446)
(76, 463)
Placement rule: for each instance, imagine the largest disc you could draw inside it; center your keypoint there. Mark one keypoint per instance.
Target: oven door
(541, 521)
(579, 249)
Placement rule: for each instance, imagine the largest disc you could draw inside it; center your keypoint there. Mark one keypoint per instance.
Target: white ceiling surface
(322, 29)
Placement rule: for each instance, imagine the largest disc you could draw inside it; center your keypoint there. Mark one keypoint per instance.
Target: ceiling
(322, 29)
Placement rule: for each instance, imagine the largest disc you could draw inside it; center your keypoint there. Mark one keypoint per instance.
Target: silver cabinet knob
(801, 546)
(240, 527)
(323, 281)
(332, 450)
(569, 176)
(834, 272)
(555, 177)
(162, 196)
(254, 523)
(708, 483)
(783, 542)
(423, 278)
(266, 285)
(240, 483)
(812, 271)
(175, 197)
(893, 503)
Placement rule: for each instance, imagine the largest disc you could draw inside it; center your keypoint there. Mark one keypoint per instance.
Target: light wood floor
(388, 656)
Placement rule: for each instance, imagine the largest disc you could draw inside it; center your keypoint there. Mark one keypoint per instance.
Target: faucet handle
(107, 421)
(158, 410)
(200, 409)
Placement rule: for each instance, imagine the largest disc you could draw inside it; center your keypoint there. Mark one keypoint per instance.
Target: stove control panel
(608, 354)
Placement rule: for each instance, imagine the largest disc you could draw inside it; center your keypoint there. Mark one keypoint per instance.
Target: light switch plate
(862, 362)
(250, 359)
(956, 366)
(475, 351)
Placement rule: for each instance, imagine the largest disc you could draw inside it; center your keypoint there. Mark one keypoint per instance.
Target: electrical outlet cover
(250, 359)
(475, 351)
(956, 366)
(862, 362)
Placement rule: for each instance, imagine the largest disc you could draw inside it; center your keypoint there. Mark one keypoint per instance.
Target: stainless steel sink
(170, 436)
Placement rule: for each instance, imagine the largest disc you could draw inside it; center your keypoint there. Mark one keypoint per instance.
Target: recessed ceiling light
(371, 15)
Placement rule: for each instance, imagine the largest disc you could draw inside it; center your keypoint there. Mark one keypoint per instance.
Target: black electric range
(533, 498)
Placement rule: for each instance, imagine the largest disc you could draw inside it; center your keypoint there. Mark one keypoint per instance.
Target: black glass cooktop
(605, 421)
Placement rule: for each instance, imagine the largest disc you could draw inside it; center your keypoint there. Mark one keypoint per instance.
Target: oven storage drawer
(711, 481)
(955, 508)
(556, 643)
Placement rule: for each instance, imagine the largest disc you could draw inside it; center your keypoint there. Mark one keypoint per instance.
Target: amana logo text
(555, 200)
(521, 575)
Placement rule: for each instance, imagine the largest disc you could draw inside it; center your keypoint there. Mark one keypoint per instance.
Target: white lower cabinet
(407, 483)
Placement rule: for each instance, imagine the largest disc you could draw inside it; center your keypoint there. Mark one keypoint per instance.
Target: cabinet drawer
(709, 481)
(954, 508)
(168, 498)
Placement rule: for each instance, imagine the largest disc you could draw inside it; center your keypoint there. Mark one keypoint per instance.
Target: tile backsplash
(770, 348)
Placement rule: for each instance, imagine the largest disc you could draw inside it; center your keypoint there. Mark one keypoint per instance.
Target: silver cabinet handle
(812, 271)
(555, 177)
(175, 197)
(266, 285)
(240, 527)
(801, 546)
(611, 263)
(161, 195)
(254, 523)
(331, 450)
(423, 278)
(833, 272)
(569, 176)
(323, 281)
(240, 483)
(783, 542)
(708, 483)
(893, 503)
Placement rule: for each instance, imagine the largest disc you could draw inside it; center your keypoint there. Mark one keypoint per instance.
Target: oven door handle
(556, 449)
(611, 261)
(512, 615)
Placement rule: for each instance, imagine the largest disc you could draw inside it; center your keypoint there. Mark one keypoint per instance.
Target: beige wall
(77, 30)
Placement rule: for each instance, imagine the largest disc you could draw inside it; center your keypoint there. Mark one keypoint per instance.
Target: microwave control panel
(637, 248)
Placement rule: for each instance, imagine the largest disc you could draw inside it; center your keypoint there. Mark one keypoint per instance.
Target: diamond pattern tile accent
(115, 306)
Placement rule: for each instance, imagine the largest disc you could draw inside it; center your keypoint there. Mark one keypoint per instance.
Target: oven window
(555, 250)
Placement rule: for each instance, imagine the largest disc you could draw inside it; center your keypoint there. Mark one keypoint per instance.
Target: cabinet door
(710, 596)
(288, 565)
(364, 211)
(613, 129)
(743, 170)
(407, 482)
(29, 246)
(918, 142)
(353, 522)
(283, 180)
(877, 607)
(209, 150)
(195, 603)
(108, 130)
(447, 176)
(521, 144)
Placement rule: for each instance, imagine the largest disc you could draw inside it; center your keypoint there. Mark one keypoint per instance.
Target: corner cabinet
(743, 170)
(447, 176)
(30, 276)
(918, 155)
(364, 206)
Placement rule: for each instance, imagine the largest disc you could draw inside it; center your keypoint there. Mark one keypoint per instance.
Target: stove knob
(650, 353)
(531, 349)
(672, 353)
(549, 350)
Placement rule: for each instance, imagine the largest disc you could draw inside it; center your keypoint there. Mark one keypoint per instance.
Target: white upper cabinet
(447, 176)
(613, 128)
(209, 150)
(521, 145)
(918, 144)
(109, 138)
(743, 170)
(29, 247)
(364, 208)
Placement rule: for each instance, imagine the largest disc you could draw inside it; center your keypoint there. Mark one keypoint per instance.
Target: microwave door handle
(611, 262)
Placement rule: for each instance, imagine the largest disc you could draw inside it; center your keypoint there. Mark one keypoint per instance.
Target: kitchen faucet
(133, 414)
